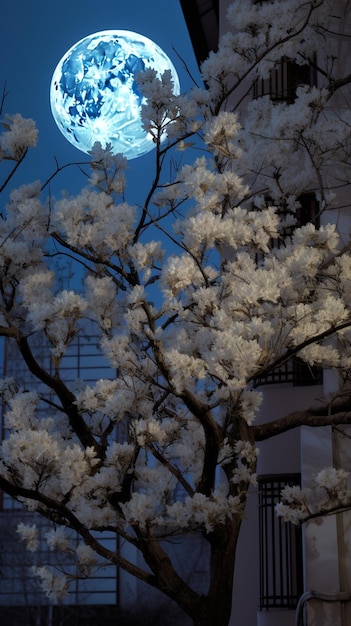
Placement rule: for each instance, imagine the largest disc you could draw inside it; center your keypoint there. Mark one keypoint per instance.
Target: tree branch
(330, 415)
(66, 397)
(14, 169)
(337, 83)
(93, 259)
(291, 352)
(66, 517)
(172, 469)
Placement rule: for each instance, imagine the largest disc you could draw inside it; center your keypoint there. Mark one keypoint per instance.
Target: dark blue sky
(33, 38)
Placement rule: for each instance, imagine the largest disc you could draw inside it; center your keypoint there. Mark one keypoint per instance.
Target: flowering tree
(208, 286)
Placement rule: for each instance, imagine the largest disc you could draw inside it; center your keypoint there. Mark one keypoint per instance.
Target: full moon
(94, 94)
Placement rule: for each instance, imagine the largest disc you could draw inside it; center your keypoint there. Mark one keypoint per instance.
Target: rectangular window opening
(284, 79)
(280, 548)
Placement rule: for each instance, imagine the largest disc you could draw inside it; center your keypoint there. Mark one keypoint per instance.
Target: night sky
(33, 38)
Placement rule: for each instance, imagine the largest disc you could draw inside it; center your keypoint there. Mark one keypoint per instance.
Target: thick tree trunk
(214, 615)
(215, 608)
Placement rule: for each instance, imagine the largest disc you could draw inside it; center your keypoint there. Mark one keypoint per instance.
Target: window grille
(307, 211)
(295, 371)
(280, 547)
(284, 79)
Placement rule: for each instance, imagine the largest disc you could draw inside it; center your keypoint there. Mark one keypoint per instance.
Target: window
(307, 211)
(284, 79)
(295, 371)
(280, 547)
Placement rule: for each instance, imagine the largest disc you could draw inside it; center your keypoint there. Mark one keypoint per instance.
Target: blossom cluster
(329, 492)
(19, 134)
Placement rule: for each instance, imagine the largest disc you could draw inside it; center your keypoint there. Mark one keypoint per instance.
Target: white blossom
(332, 479)
(20, 134)
(57, 539)
(87, 560)
(54, 585)
(29, 534)
(295, 516)
(147, 431)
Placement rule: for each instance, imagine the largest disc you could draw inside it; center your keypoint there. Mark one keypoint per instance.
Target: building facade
(288, 576)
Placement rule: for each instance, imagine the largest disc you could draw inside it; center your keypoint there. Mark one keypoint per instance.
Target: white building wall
(327, 542)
